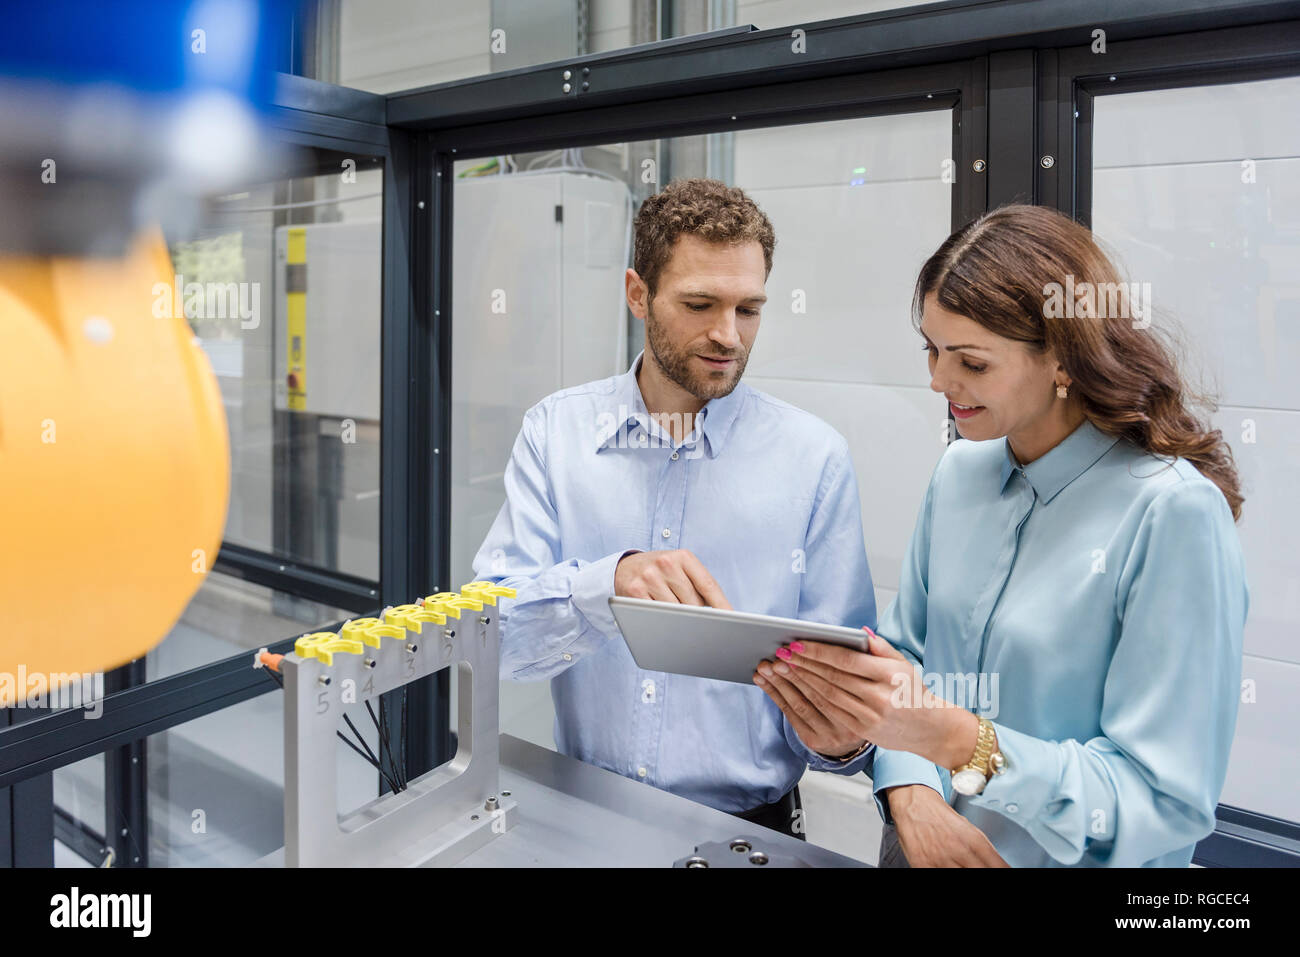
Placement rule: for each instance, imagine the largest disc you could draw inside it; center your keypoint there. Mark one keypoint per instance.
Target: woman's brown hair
(1032, 274)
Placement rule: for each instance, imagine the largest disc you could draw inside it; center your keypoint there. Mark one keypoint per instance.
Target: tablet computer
(714, 642)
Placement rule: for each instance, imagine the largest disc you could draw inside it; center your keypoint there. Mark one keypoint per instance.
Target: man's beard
(677, 367)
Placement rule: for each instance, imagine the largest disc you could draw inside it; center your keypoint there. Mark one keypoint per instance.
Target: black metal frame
(1071, 80)
(997, 63)
(315, 584)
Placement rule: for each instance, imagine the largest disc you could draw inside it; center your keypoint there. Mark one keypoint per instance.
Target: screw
(484, 620)
(370, 662)
(1047, 162)
(566, 75)
(124, 832)
(323, 681)
(566, 87)
(979, 166)
(449, 633)
(412, 648)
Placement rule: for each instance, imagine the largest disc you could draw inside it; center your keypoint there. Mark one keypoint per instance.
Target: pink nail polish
(796, 647)
(783, 654)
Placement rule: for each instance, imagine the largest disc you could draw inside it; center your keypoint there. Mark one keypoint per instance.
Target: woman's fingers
(851, 684)
(841, 707)
(865, 665)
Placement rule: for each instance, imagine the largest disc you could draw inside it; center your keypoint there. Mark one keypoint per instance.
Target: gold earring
(1061, 391)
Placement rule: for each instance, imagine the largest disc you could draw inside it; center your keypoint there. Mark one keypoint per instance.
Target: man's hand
(674, 576)
(932, 834)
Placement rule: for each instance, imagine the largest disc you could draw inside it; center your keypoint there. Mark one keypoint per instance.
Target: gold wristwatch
(971, 777)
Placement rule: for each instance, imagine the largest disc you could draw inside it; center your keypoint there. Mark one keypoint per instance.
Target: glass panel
(228, 615)
(79, 803)
(1198, 190)
(539, 305)
(298, 366)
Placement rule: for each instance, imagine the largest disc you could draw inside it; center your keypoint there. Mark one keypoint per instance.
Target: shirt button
(668, 533)
(674, 456)
(1013, 808)
(640, 772)
(568, 657)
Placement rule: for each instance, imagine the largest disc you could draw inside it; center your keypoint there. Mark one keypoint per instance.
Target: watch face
(968, 781)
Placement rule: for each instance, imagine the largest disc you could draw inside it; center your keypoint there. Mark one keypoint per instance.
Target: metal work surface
(571, 814)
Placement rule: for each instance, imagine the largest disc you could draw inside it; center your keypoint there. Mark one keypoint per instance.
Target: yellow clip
(371, 630)
(488, 592)
(451, 603)
(414, 617)
(323, 645)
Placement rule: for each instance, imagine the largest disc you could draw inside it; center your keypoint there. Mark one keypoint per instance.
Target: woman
(1074, 577)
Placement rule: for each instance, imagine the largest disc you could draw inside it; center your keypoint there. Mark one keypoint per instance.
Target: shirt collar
(627, 405)
(1069, 459)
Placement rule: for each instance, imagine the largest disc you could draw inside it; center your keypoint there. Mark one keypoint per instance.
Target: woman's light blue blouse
(1091, 605)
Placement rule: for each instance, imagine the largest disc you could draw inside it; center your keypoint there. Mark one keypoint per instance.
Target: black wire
(383, 740)
(373, 763)
(375, 758)
(367, 754)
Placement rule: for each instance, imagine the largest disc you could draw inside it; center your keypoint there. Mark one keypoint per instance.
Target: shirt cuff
(1030, 781)
(819, 762)
(895, 768)
(593, 587)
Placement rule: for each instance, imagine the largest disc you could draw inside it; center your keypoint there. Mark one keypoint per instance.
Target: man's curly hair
(707, 208)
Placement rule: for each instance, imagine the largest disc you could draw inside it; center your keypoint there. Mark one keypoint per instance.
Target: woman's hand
(844, 697)
(932, 834)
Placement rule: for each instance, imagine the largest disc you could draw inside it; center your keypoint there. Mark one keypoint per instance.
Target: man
(676, 482)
